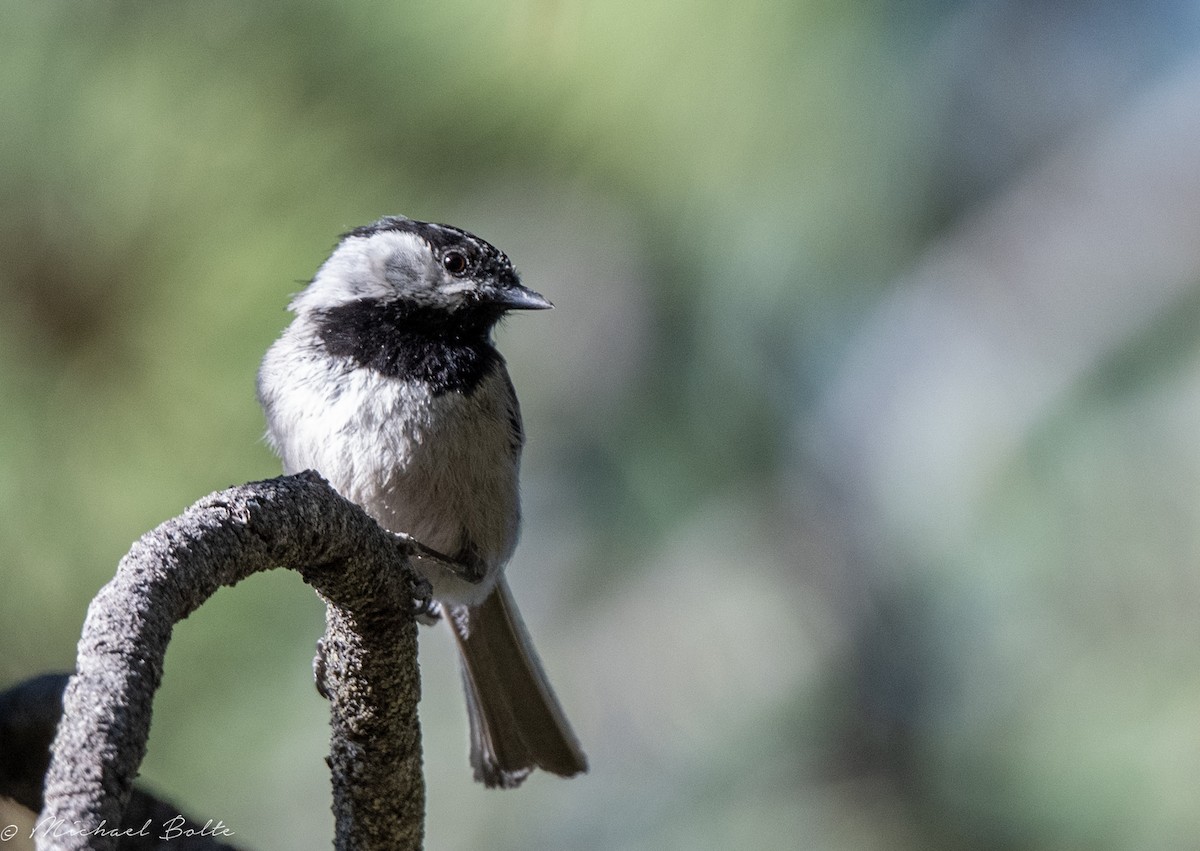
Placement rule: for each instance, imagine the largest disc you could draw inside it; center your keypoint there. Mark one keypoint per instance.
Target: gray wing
(515, 426)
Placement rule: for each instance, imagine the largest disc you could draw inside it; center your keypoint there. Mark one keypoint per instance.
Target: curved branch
(368, 666)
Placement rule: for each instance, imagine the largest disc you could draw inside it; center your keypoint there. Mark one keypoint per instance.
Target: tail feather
(517, 724)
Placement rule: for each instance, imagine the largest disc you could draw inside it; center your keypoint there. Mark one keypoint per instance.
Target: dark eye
(455, 262)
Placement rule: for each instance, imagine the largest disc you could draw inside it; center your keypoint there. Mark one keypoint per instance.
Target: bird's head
(431, 268)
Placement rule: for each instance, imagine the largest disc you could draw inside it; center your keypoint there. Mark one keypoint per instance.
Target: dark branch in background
(29, 715)
(367, 665)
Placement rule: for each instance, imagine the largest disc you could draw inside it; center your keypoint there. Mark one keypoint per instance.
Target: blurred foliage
(861, 489)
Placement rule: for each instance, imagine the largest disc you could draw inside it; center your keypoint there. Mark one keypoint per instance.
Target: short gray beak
(521, 298)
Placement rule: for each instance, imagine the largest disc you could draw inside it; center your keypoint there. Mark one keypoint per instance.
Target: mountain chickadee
(388, 385)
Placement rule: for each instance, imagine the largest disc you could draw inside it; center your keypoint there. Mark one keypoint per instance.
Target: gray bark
(367, 664)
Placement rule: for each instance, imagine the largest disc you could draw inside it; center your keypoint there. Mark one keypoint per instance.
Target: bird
(388, 384)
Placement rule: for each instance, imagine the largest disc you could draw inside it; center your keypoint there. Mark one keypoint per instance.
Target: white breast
(440, 468)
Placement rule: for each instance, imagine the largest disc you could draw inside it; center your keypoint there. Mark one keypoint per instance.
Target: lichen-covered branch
(368, 663)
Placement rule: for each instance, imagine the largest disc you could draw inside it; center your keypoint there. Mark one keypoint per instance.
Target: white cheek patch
(372, 267)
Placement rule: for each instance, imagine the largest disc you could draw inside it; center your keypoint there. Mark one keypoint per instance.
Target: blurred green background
(863, 477)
